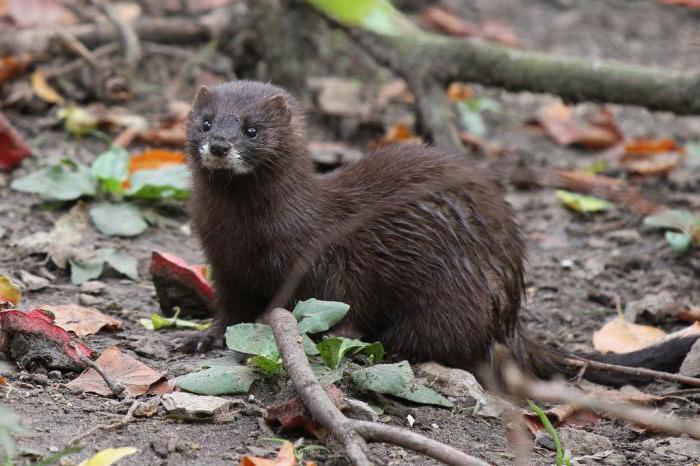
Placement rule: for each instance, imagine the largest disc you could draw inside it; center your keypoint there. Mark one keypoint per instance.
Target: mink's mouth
(231, 160)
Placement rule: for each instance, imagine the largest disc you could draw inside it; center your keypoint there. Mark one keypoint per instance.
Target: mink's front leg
(232, 308)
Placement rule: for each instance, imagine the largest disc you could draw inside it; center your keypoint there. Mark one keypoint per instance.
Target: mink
(421, 245)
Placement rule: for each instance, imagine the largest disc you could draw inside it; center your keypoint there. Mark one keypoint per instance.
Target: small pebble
(93, 287)
(89, 300)
(41, 379)
(55, 375)
(567, 263)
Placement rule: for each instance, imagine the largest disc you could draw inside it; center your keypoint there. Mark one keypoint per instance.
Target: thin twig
(351, 433)
(638, 371)
(128, 417)
(557, 392)
(129, 39)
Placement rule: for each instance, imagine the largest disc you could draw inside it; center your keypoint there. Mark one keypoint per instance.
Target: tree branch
(351, 433)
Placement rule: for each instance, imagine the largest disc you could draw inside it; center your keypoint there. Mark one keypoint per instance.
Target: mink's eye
(250, 132)
(206, 125)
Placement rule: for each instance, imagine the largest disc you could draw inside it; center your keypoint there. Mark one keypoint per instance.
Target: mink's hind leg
(233, 309)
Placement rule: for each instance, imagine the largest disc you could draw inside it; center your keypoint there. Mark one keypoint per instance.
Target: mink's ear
(201, 98)
(277, 105)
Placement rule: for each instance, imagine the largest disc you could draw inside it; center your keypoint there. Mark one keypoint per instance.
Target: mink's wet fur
(422, 246)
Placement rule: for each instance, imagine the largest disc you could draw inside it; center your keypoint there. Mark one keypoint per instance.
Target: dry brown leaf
(394, 90)
(599, 132)
(489, 148)
(285, 457)
(566, 414)
(43, 89)
(651, 157)
(622, 336)
(458, 91)
(82, 320)
(398, 133)
(136, 376)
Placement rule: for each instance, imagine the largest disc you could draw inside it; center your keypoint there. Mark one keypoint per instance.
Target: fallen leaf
(65, 181)
(394, 90)
(118, 219)
(82, 320)
(218, 381)
(84, 268)
(158, 322)
(686, 3)
(651, 157)
(314, 315)
(43, 89)
(111, 168)
(446, 21)
(31, 337)
(180, 285)
(285, 457)
(397, 134)
(80, 121)
(565, 414)
(9, 292)
(341, 97)
(136, 376)
(191, 407)
(13, 66)
(582, 203)
(292, 414)
(457, 91)
(622, 336)
(599, 133)
(333, 349)
(152, 159)
(13, 149)
(108, 456)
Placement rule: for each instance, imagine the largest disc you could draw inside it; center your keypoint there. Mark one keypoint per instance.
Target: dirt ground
(577, 266)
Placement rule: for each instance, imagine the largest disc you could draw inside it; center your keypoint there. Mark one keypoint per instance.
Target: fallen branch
(353, 434)
(557, 392)
(637, 371)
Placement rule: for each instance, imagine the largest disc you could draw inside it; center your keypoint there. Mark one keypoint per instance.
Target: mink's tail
(545, 361)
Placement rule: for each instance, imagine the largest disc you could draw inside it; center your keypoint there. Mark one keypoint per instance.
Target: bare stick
(638, 371)
(128, 417)
(349, 432)
(129, 38)
(375, 432)
(557, 392)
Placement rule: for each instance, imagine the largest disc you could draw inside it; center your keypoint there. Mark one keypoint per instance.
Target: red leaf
(294, 415)
(179, 284)
(12, 147)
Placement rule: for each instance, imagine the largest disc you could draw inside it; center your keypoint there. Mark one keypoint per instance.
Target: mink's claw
(198, 343)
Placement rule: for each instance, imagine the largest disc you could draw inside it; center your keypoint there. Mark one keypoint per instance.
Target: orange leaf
(44, 90)
(459, 91)
(651, 157)
(622, 336)
(398, 133)
(153, 159)
(13, 66)
(598, 133)
(285, 457)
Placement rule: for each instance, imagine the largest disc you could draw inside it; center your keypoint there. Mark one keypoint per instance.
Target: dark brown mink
(423, 247)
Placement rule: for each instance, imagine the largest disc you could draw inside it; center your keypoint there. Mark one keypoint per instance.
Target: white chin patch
(231, 161)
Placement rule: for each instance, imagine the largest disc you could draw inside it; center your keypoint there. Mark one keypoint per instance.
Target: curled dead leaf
(621, 336)
(397, 134)
(43, 89)
(651, 157)
(285, 457)
(458, 91)
(599, 132)
(82, 320)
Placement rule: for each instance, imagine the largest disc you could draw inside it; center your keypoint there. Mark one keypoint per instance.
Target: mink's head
(243, 127)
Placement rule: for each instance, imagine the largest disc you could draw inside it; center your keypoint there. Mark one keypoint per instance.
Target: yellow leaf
(622, 336)
(9, 291)
(108, 456)
(44, 90)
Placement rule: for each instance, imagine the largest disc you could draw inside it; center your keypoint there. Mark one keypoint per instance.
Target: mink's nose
(219, 148)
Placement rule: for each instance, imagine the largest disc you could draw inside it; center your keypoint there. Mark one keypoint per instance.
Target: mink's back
(431, 260)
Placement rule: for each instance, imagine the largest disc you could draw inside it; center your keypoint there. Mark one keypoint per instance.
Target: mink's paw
(201, 342)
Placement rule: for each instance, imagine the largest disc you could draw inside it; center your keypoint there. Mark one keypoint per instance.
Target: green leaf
(158, 322)
(332, 350)
(218, 381)
(676, 219)
(111, 168)
(309, 345)
(550, 431)
(325, 375)
(167, 182)
(679, 242)
(581, 202)
(397, 380)
(88, 269)
(316, 316)
(270, 366)
(118, 219)
(378, 16)
(63, 182)
(254, 339)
